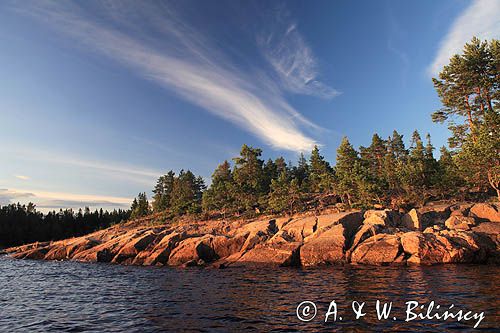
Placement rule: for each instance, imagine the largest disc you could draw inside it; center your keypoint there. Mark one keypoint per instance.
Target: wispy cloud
(130, 173)
(194, 68)
(55, 200)
(480, 19)
(293, 60)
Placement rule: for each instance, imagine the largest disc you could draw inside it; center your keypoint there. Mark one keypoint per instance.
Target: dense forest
(386, 173)
(21, 224)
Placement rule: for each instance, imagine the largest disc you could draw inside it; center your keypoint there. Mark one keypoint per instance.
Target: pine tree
(220, 195)
(140, 206)
(348, 164)
(320, 173)
(162, 192)
(468, 87)
(479, 158)
(249, 178)
(186, 194)
(285, 195)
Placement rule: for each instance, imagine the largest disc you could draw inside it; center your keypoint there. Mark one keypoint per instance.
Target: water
(76, 297)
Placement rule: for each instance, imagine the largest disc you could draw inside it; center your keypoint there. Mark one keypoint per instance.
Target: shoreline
(438, 234)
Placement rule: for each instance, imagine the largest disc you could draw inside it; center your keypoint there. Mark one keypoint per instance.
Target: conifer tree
(320, 173)
(220, 195)
(285, 195)
(249, 178)
(162, 192)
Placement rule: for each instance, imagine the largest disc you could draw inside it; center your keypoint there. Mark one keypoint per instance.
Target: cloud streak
(293, 60)
(55, 200)
(196, 70)
(480, 19)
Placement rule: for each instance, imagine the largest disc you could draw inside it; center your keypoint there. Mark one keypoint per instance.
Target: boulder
(439, 248)
(301, 228)
(193, 249)
(276, 253)
(485, 212)
(226, 246)
(160, 253)
(460, 222)
(129, 250)
(326, 248)
(380, 249)
(384, 217)
(412, 220)
(36, 253)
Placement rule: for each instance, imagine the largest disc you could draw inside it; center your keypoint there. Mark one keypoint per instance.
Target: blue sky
(97, 99)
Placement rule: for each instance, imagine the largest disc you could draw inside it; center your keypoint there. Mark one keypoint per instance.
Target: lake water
(76, 297)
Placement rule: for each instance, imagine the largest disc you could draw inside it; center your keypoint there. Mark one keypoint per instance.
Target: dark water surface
(39, 296)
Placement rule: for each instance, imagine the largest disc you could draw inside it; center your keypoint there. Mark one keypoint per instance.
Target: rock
(384, 217)
(160, 253)
(36, 253)
(460, 222)
(485, 212)
(275, 253)
(194, 248)
(326, 248)
(381, 249)
(226, 246)
(301, 228)
(412, 220)
(130, 249)
(446, 247)
(461, 209)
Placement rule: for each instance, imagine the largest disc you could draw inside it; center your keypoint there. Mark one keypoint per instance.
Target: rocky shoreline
(436, 234)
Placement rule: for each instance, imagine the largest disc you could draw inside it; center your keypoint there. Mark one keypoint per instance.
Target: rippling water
(77, 297)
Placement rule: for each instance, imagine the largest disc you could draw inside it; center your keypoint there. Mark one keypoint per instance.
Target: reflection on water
(68, 296)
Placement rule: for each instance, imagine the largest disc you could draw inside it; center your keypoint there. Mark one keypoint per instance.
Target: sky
(98, 99)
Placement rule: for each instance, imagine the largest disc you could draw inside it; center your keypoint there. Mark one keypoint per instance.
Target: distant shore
(434, 234)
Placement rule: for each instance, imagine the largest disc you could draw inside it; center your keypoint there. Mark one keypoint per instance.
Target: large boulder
(442, 247)
(384, 217)
(328, 247)
(160, 253)
(36, 253)
(460, 222)
(278, 251)
(382, 249)
(485, 212)
(412, 220)
(301, 227)
(130, 249)
(193, 250)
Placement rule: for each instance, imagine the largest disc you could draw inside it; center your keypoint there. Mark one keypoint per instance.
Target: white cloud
(46, 200)
(294, 61)
(480, 19)
(113, 169)
(196, 70)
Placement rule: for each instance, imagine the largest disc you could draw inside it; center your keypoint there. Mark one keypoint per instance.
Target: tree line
(20, 224)
(386, 173)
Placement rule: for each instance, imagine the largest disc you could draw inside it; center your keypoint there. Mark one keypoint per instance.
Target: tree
(186, 193)
(348, 163)
(249, 178)
(479, 158)
(162, 192)
(320, 173)
(140, 206)
(468, 87)
(285, 195)
(449, 180)
(220, 196)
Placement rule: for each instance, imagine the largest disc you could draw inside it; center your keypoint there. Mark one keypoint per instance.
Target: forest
(388, 172)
